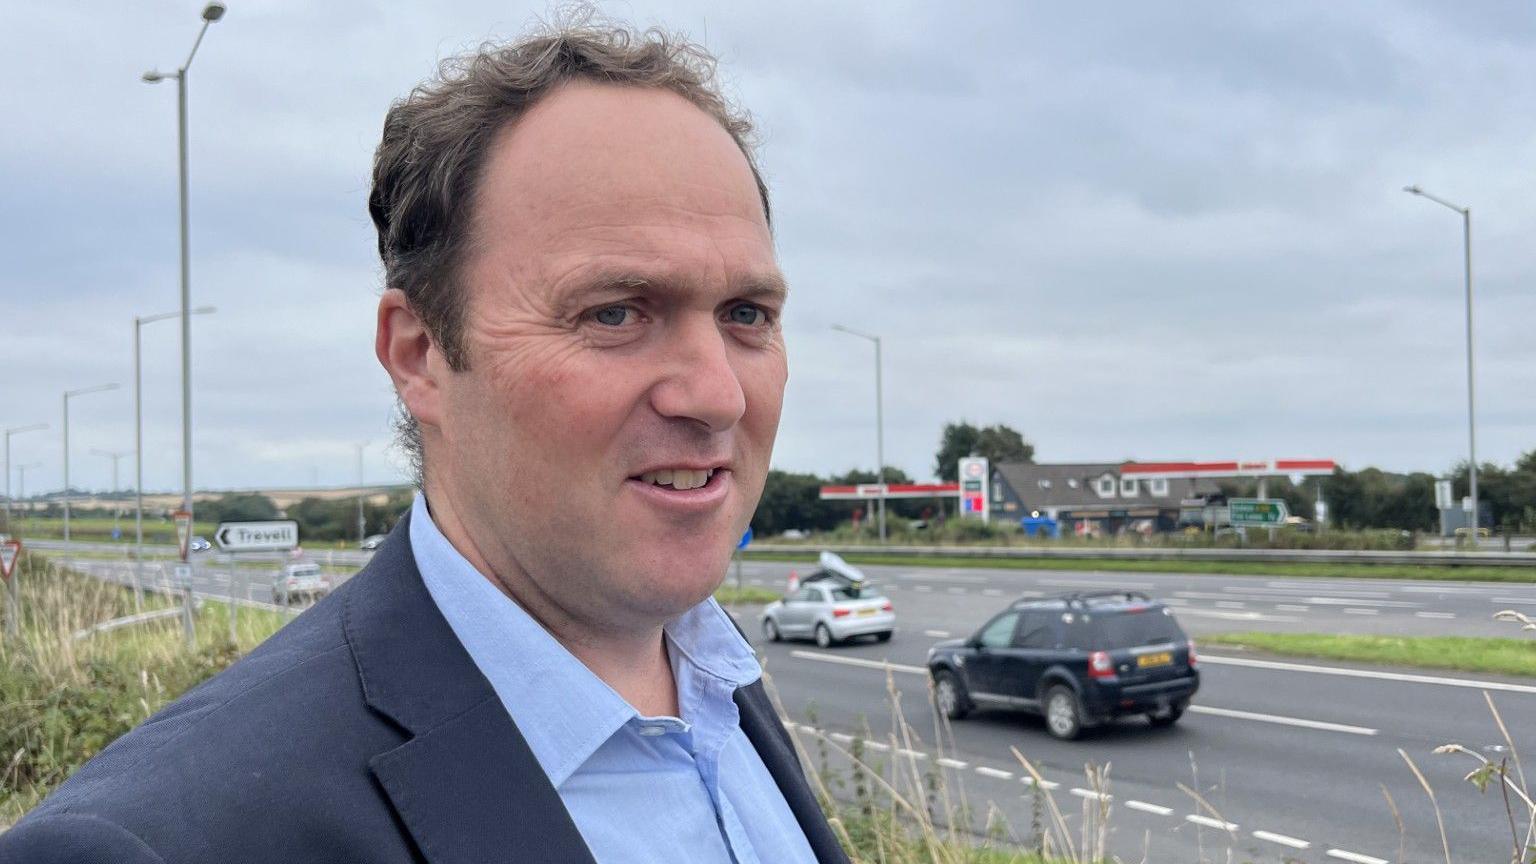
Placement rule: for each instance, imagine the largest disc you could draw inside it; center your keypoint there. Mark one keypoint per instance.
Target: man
(581, 322)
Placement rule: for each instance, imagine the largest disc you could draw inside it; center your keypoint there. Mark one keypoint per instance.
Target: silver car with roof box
(833, 604)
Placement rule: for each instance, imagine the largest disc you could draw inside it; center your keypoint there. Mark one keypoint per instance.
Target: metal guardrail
(1275, 556)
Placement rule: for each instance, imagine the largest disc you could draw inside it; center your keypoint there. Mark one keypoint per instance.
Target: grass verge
(1436, 572)
(1457, 653)
(729, 594)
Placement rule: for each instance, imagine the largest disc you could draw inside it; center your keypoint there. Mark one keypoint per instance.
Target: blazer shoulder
(70, 838)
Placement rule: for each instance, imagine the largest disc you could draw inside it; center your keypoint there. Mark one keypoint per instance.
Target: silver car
(831, 605)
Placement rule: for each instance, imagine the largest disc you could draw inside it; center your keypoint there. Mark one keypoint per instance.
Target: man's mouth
(678, 478)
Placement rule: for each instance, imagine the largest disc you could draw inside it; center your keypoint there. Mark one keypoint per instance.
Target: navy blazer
(361, 732)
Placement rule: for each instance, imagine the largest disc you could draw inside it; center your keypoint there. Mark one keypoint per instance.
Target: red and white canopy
(1233, 468)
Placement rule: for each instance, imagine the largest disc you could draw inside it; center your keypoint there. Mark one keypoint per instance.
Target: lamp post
(211, 13)
(14, 430)
(879, 421)
(361, 524)
(1466, 235)
(138, 440)
(70, 394)
(115, 456)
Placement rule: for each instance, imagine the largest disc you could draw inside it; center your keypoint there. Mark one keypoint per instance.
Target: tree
(238, 507)
(998, 443)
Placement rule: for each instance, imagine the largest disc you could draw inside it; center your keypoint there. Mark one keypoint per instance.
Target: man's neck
(633, 661)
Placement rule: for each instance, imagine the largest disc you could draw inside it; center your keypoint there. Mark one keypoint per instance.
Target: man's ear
(406, 351)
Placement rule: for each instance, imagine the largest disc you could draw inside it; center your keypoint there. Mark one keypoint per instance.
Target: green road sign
(1257, 512)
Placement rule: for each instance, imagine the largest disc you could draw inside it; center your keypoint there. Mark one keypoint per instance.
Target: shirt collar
(564, 722)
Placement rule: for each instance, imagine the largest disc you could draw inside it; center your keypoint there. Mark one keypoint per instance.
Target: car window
(807, 595)
(1037, 630)
(857, 592)
(1129, 630)
(999, 633)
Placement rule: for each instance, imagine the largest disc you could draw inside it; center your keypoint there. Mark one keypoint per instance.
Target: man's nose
(699, 381)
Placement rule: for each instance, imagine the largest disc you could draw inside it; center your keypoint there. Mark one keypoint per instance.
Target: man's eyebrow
(767, 286)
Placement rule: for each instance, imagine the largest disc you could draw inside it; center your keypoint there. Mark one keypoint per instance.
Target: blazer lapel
(761, 724)
(465, 784)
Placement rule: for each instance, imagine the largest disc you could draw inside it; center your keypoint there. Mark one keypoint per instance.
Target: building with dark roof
(1091, 498)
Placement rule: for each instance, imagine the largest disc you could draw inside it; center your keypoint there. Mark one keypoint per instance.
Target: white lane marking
(1524, 600)
(1291, 607)
(1089, 794)
(1443, 615)
(1283, 721)
(1283, 840)
(1361, 612)
(942, 576)
(1230, 604)
(1047, 785)
(1094, 583)
(922, 587)
(877, 745)
(992, 592)
(911, 754)
(1341, 601)
(861, 662)
(994, 772)
(1154, 809)
(841, 737)
(1210, 823)
(1444, 589)
(953, 763)
(1246, 589)
(1356, 857)
(936, 634)
(1368, 673)
(957, 590)
(1232, 616)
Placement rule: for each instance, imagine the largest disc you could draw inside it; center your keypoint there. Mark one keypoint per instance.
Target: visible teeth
(678, 478)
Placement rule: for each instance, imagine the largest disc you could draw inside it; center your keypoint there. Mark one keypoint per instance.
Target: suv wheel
(771, 630)
(949, 696)
(1168, 717)
(1063, 716)
(823, 636)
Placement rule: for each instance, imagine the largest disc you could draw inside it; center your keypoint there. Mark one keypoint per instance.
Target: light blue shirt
(641, 790)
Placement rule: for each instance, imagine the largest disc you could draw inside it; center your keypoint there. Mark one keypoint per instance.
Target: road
(1294, 755)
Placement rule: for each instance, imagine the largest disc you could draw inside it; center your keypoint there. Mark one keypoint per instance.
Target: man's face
(622, 330)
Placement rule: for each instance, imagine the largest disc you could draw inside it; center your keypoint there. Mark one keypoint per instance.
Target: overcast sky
(1128, 230)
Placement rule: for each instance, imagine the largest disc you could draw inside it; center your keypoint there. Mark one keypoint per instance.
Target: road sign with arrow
(257, 536)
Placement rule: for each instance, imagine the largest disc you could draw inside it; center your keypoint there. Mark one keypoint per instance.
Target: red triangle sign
(10, 550)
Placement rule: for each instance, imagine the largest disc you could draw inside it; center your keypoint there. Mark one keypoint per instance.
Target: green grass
(728, 594)
(1456, 653)
(1439, 572)
(98, 529)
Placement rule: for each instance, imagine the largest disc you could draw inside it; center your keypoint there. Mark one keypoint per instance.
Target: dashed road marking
(1361, 612)
(1155, 809)
(877, 745)
(911, 754)
(1047, 785)
(1213, 823)
(936, 634)
(859, 661)
(952, 763)
(1089, 794)
(1522, 600)
(1283, 840)
(841, 737)
(994, 772)
(1230, 604)
(1283, 721)
(922, 587)
(1345, 855)
(1441, 615)
(1291, 607)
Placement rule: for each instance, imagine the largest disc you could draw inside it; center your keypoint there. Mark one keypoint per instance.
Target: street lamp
(14, 430)
(211, 13)
(879, 421)
(114, 455)
(138, 437)
(1466, 234)
(69, 394)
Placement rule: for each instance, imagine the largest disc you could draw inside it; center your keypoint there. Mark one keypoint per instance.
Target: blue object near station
(745, 538)
(1040, 526)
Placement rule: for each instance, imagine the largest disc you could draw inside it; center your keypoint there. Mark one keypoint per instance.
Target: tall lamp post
(138, 439)
(361, 524)
(14, 430)
(879, 421)
(68, 395)
(211, 13)
(1466, 234)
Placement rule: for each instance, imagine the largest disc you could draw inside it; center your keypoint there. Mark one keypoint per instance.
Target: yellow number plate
(868, 611)
(1162, 658)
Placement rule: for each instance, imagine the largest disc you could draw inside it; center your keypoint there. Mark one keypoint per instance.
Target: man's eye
(749, 315)
(611, 316)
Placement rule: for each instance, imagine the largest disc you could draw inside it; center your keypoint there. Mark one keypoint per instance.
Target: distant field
(98, 529)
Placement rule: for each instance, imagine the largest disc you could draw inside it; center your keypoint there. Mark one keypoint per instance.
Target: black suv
(1078, 659)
